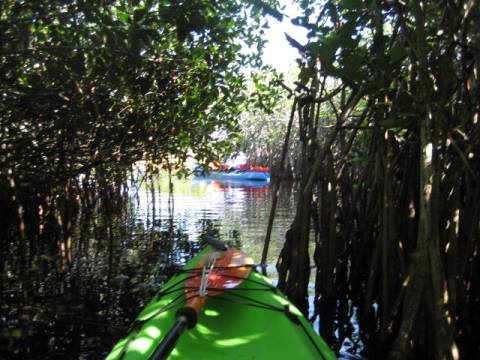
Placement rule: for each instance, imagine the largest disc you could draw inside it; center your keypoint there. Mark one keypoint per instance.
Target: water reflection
(120, 258)
(237, 209)
(226, 185)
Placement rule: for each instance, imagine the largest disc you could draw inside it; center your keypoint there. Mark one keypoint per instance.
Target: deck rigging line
(233, 297)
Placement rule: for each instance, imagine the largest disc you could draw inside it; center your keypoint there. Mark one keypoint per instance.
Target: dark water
(120, 263)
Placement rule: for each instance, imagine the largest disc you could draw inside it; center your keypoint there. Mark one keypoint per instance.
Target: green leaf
(267, 9)
(295, 43)
(306, 74)
(123, 16)
(397, 52)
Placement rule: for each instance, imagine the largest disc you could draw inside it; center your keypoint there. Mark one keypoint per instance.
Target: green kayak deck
(252, 321)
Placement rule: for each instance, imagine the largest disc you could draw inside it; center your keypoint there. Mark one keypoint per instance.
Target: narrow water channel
(238, 210)
(120, 259)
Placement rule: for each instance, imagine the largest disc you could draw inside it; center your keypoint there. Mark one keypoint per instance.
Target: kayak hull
(252, 321)
(240, 175)
(228, 183)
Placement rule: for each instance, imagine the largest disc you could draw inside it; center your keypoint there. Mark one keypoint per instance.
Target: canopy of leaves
(84, 83)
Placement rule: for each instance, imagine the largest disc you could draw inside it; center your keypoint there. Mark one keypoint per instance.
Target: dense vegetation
(92, 87)
(389, 180)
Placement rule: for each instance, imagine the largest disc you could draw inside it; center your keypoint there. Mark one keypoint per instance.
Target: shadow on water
(120, 258)
(78, 314)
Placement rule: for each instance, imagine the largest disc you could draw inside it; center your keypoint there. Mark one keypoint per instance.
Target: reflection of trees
(102, 289)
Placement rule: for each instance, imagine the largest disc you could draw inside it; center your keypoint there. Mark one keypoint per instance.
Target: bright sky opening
(278, 52)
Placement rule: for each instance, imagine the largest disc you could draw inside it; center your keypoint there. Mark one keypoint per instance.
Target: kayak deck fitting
(251, 321)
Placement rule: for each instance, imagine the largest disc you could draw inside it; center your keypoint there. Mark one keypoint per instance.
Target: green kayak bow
(217, 307)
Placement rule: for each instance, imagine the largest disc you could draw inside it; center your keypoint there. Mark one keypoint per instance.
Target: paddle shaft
(183, 321)
(216, 243)
(231, 263)
(186, 319)
(169, 341)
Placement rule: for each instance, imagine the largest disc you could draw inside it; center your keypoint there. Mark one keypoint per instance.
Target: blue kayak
(239, 175)
(229, 183)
